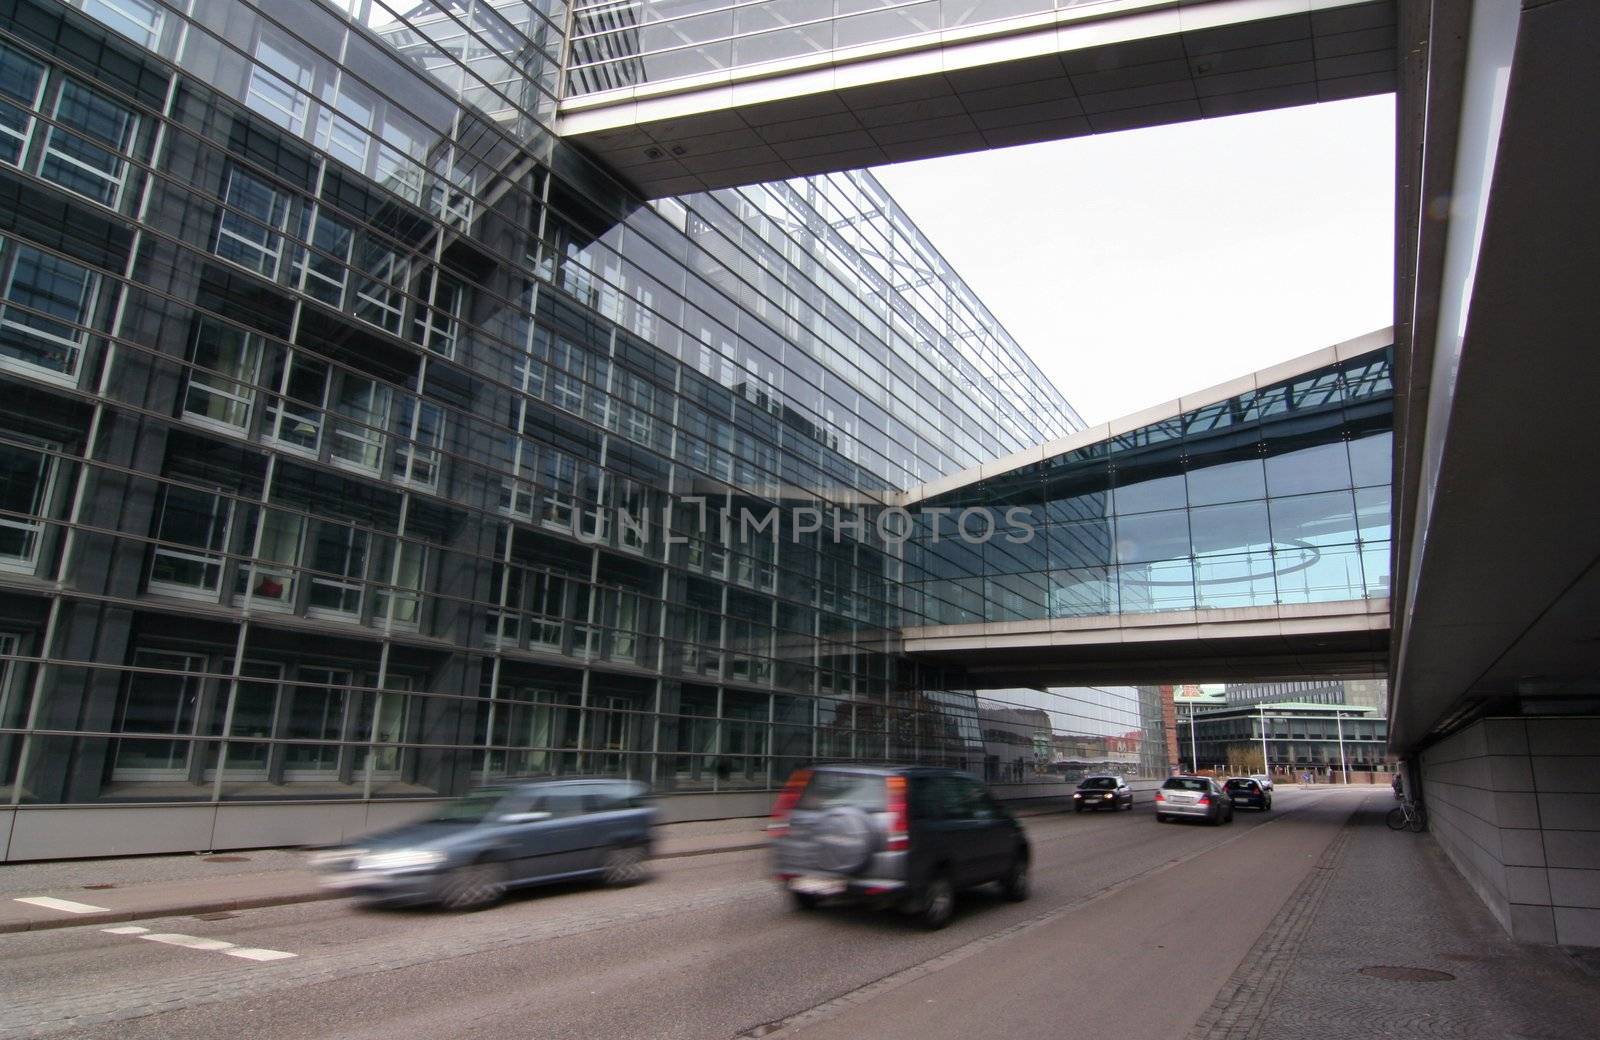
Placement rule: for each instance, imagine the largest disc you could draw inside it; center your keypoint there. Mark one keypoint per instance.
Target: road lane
(706, 950)
(1145, 961)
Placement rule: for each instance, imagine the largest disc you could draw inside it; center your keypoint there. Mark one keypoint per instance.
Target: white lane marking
(251, 954)
(64, 905)
(191, 942)
(127, 929)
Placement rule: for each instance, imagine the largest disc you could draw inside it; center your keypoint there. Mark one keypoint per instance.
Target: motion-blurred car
(499, 838)
(1194, 797)
(908, 837)
(1102, 792)
(1247, 792)
(1263, 779)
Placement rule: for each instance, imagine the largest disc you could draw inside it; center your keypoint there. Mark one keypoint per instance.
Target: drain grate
(1398, 974)
(227, 859)
(97, 888)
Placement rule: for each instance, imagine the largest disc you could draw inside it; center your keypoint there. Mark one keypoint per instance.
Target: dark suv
(903, 836)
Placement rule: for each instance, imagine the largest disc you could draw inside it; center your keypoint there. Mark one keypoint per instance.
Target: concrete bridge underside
(1348, 639)
(1085, 69)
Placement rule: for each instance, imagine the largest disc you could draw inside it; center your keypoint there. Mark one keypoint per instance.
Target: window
(345, 127)
(21, 88)
(194, 531)
(399, 566)
(85, 152)
(221, 388)
(269, 580)
(46, 301)
(380, 289)
(279, 81)
(323, 271)
(161, 696)
(361, 411)
(437, 322)
(316, 712)
(416, 459)
(250, 230)
(340, 559)
(25, 482)
(295, 419)
(138, 20)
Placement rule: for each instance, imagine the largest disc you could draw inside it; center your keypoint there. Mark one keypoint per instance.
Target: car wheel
(1015, 884)
(1077, 808)
(937, 904)
(625, 865)
(1161, 817)
(805, 900)
(474, 886)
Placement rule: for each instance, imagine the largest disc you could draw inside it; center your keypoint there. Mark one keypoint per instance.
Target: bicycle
(1408, 816)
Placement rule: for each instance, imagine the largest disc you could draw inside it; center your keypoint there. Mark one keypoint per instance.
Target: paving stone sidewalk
(1379, 901)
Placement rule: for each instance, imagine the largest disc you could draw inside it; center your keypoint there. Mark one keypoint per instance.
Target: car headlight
(400, 859)
(332, 859)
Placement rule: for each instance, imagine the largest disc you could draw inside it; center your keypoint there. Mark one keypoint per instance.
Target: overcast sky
(1140, 266)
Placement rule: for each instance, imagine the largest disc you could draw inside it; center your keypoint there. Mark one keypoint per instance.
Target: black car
(497, 838)
(1102, 792)
(1247, 792)
(908, 837)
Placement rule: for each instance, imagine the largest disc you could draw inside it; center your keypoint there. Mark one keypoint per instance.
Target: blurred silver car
(498, 838)
(1195, 797)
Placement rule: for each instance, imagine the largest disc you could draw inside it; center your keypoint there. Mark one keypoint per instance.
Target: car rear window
(1241, 785)
(829, 789)
(1099, 783)
(1182, 783)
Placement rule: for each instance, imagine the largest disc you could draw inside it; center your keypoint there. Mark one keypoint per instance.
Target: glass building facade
(1277, 495)
(366, 442)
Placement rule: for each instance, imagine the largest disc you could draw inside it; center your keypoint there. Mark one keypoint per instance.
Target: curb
(256, 902)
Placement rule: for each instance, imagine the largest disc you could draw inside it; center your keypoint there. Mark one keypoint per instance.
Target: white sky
(1140, 266)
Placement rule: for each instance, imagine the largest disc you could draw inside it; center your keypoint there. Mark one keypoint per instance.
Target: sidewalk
(1385, 939)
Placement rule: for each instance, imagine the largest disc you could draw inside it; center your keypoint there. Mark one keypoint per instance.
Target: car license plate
(817, 886)
(1241, 798)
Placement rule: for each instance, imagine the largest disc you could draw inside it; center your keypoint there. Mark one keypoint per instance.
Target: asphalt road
(1131, 930)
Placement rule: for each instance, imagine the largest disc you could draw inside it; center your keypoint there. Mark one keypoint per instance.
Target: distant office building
(1300, 736)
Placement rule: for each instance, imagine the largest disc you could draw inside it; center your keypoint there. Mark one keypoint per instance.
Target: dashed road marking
(64, 905)
(190, 942)
(195, 942)
(251, 954)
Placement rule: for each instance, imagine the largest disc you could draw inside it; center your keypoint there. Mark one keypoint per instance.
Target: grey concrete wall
(1515, 806)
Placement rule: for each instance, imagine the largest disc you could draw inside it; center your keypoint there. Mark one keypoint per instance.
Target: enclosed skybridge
(1242, 532)
(680, 96)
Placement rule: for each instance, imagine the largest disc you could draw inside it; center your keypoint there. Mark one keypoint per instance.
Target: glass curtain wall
(361, 449)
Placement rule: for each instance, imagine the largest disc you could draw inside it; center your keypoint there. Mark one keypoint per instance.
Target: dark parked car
(498, 838)
(1198, 797)
(1247, 791)
(908, 837)
(1102, 792)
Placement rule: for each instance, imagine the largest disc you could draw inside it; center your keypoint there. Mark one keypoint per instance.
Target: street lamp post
(1194, 754)
(1266, 767)
(1338, 720)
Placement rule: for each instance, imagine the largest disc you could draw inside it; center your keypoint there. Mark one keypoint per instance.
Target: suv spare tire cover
(844, 838)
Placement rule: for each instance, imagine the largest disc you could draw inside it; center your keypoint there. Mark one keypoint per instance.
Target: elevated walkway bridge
(1239, 533)
(681, 96)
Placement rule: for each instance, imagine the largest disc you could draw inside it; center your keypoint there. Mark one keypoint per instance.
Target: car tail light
(1204, 799)
(788, 798)
(1160, 797)
(899, 815)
